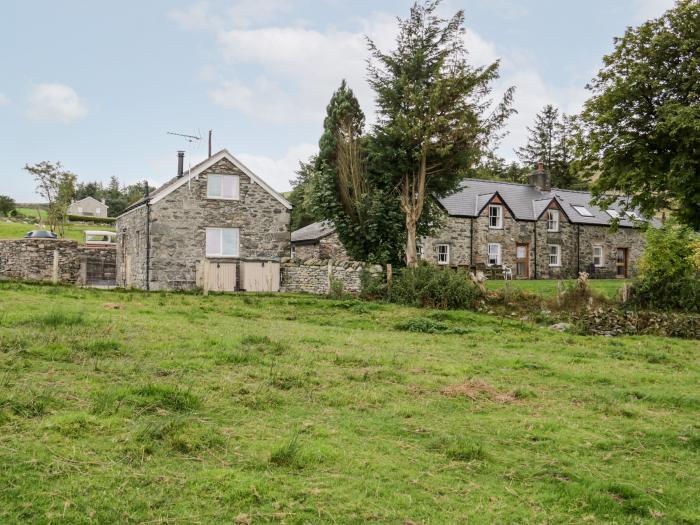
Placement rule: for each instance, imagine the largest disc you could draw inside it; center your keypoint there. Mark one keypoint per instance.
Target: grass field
(17, 230)
(125, 407)
(548, 288)
(31, 213)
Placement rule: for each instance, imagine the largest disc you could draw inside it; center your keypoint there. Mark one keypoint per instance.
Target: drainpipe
(534, 248)
(578, 249)
(471, 242)
(148, 240)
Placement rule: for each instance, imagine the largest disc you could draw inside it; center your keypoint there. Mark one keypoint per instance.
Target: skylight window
(582, 210)
(614, 214)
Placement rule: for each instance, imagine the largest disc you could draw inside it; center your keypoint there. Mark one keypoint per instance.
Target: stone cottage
(536, 231)
(88, 207)
(318, 241)
(203, 224)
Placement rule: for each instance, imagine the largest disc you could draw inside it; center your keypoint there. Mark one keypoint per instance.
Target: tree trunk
(412, 199)
(411, 255)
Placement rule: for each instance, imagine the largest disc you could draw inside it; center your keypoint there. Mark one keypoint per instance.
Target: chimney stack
(180, 162)
(540, 178)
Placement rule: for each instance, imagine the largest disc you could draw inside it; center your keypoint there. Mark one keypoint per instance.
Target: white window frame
(498, 254)
(601, 256)
(553, 217)
(98, 210)
(498, 216)
(420, 252)
(293, 251)
(220, 254)
(220, 196)
(614, 214)
(557, 254)
(446, 254)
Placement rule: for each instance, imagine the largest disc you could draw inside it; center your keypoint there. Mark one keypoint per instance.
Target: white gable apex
(208, 163)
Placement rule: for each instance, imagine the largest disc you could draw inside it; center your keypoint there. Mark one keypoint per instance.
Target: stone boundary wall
(49, 259)
(314, 275)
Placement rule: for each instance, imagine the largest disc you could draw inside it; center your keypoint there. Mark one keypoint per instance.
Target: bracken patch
(478, 389)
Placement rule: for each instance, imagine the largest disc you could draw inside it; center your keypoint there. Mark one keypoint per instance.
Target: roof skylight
(582, 210)
(614, 214)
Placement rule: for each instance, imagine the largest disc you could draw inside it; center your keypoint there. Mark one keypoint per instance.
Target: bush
(96, 220)
(668, 271)
(433, 287)
(429, 326)
(336, 289)
(373, 287)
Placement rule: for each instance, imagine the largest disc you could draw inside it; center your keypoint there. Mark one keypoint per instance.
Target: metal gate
(100, 272)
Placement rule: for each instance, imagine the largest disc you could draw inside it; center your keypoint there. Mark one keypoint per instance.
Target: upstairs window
(222, 242)
(443, 254)
(495, 216)
(554, 255)
(582, 210)
(419, 252)
(494, 254)
(98, 210)
(223, 187)
(552, 220)
(597, 256)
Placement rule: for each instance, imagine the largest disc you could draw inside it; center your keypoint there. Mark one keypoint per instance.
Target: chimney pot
(180, 162)
(540, 178)
(540, 166)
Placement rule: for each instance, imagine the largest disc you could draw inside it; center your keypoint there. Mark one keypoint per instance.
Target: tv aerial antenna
(188, 138)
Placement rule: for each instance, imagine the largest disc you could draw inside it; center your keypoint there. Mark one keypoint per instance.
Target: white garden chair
(507, 273)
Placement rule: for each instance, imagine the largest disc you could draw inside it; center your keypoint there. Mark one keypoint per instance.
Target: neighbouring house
(318, 241)
(217, 226)
(88, 207)
(537, 231)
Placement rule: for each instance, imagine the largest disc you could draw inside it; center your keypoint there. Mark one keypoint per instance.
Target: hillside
(125, 407)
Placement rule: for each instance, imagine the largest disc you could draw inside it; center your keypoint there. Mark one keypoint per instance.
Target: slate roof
(313, 232)
(527, 203)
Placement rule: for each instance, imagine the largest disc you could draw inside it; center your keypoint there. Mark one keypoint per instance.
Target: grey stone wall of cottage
(178, 226)
(328, 247)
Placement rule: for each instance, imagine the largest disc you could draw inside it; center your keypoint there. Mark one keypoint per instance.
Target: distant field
(31, 212)
(607, 287)
(16, 230)
(128, 407)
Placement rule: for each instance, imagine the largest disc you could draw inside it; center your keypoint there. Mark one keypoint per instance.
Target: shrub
(336, 289)
(668, 271)
(95, 220)
(373, 287)
(429, 326)
(433, 287)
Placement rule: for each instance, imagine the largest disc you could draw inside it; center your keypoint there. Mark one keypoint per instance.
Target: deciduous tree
(643, 119)
(57, 187)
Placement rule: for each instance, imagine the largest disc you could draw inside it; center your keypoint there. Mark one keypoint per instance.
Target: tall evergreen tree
(345, 191)
(433, 125)
(552, 141)
(301, 196)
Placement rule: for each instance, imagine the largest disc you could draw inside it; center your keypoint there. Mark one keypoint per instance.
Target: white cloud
(193, 17)
(278, 172)
(55, 103)
(242, 13)
(4, 101)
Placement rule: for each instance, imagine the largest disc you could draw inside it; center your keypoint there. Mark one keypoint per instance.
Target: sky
(97, 85)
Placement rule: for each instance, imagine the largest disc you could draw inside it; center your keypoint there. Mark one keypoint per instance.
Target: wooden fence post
(83, 270)
(389, 275)
(205, 277)
(54, 274)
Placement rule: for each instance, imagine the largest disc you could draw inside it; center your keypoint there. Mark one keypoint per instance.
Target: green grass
(17, 230)
(178, 408)
(31, 213)
(606, 287)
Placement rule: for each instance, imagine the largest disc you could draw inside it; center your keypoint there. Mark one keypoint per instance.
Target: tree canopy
(434, 120)
(643, 119)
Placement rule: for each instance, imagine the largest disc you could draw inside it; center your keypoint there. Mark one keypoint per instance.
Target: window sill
(222, 198)
(443, 263)
(555, 265)
(552, 231)
(213, 256)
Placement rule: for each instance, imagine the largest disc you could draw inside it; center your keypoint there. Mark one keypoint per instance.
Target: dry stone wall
(33, 259)
(315, 275)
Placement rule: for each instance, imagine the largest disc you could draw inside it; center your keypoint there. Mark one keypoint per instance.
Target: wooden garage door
(260, 276)
(222, 277)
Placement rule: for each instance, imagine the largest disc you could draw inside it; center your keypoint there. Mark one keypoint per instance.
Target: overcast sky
(97, 85)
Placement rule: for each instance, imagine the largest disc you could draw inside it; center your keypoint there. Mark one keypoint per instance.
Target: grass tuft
(429, 326)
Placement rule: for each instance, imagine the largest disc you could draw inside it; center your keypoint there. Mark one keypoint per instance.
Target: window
(222, 242)
(223, 187)
(80, 209)
(582, 210)
(419, 252)
(614, 214)
(494, 254)
(597, 255)
(443, 253)
(554, 255)
(98, 210)
(552, 220)
(495, 216)
(293, 251)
